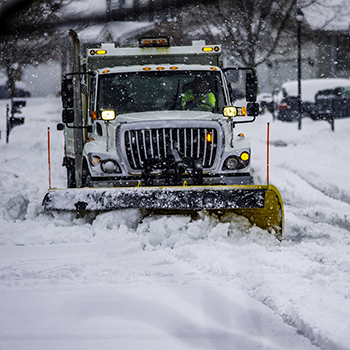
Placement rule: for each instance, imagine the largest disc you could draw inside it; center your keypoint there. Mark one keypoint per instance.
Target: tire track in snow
(308, 199)
(240, 260)
(268, 275)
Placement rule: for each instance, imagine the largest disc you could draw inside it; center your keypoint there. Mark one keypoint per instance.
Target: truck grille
(157, 143)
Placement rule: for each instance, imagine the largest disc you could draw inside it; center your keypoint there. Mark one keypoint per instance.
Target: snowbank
(169, 281)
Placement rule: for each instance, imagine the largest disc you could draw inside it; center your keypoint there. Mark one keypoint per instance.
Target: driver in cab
(199, 97)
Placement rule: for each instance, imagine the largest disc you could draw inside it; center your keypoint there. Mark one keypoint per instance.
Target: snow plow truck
(152, 127)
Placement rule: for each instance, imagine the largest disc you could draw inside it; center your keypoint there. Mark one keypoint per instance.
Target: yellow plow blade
(261, 204)
(271, 216)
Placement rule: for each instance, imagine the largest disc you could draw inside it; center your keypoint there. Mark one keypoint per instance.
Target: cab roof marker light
(160, 68)
(105, 71)
(146, 68)
(174, 67)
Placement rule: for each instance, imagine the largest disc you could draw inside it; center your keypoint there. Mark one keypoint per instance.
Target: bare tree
(20, 47)
(251, 30)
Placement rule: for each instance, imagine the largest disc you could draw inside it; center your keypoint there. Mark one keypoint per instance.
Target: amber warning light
(154, 42)
(98, 52)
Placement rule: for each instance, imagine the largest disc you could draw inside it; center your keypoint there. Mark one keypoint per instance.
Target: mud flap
(261, 204)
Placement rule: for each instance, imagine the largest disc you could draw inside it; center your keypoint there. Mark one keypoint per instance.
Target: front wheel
(86, 178)
(70, 165)
(71, 179)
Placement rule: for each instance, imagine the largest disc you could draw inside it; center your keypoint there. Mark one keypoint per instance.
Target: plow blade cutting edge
(261, 204)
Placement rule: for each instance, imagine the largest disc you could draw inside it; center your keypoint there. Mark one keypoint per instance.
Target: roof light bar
(154, 42)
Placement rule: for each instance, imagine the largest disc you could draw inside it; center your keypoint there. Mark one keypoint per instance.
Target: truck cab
(146, 123)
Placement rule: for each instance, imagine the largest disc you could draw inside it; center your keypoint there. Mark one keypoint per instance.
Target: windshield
(154, 91)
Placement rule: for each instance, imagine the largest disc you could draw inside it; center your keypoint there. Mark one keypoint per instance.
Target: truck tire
(86, 178)
(71, 183)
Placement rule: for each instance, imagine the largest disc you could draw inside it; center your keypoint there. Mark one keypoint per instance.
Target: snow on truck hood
(166, 115)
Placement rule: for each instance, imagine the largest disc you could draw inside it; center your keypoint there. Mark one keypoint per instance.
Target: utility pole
(78, 130)
(299, 17)
(108, 11)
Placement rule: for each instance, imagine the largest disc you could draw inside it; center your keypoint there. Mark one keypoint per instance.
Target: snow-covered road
(169, 282)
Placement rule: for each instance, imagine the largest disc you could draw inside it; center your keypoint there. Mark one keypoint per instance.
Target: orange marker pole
(49, 155)
(268, 153)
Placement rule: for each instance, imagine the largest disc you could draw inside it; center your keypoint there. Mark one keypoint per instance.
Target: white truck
(152, 127)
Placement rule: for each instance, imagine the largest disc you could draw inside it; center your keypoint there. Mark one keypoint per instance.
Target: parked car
(287, 99)
(333, 103)
(265, 101)
(19, 92)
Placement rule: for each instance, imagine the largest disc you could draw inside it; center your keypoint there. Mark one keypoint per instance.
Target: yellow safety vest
(207, 101)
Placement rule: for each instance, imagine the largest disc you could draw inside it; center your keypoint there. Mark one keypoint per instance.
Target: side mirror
(67, 93)
(253, 109)
(67, 100)
(68, 116)
(251, 87)
(60, 126)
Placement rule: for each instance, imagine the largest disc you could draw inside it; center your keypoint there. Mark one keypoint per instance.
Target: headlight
(108, 115)
(231, 111)
(235, 162)
(110, 166)
(94, 160)
(231, 163)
